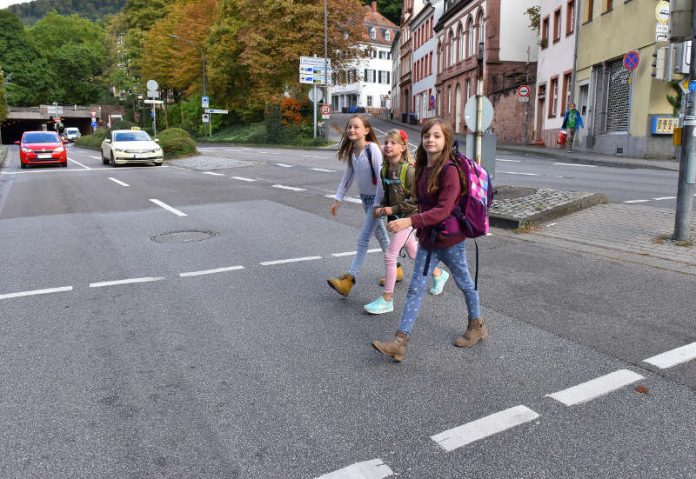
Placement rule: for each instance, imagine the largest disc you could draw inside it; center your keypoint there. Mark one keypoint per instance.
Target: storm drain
(182, 236)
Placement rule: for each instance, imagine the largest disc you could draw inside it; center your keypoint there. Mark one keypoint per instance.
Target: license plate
(43, 155)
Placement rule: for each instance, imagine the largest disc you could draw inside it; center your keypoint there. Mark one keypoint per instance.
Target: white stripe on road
(291, 260)
(290, 188)
(36, 292)
(349, 199)
(119, 182)
(374, 469)
(345, 253)
(212, 173)
(659, 198)
(71, 170)
(167, 207)
(518, 173)
(575, 164)
(484, 427)
(241, 178)
(148, 279)
(80, 164)
(95, 157)
(323, 170)
(508, 161)
(673, 357)
(284, 165)
(210, 271)
(596, 387)
(374, 250)
(637, 201)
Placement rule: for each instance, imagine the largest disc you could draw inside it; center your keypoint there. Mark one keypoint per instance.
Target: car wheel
(64, 165)
(104, 160)
(24, 167)
(160, 163)
(113, 161)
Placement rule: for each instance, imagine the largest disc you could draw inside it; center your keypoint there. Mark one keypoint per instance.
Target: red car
(42, 148)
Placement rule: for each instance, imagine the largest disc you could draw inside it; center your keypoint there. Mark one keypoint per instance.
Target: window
(481, 29)
(608, 5)
(589, 11)
(369, 100)
(387, 35)
(553, 98)
(557, 25)
(430, 63)
(567, 91)
(545, 32)
(471, 49)
(570, 17)
(373, 33)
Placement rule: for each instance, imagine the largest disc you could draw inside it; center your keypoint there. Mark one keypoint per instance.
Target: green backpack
(402, 176)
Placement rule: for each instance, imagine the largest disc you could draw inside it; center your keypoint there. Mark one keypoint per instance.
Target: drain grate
(182, 236)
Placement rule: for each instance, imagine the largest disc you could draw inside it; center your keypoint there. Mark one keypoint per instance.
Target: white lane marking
(349, 199)
(636, 201)
(118, 182)
(284, 165)
(207, 149)
(323, 170)
(659, 198)
(596, 387)
(210, 271)
(241, 178)
(291, 260)
(36, 292)
(673, 357)
(80, 164)
(70, 170)
(374, 469)
(375, 250)
(345, 253)
(290, 188)
(167, 207)
(550, 225)
(518, 173)
(95, 157)
(148, 279)
(508, 161)
(211, 173)
(575, 164)
(487, 426)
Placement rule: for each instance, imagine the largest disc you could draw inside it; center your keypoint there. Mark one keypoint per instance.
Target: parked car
(71, 134)
(121, 147)
(41, 148)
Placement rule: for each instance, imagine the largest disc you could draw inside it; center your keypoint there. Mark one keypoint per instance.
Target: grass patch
(662, 239)
(256, 134)
(527, 227)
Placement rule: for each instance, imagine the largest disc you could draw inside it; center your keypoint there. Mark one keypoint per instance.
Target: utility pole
(326, 64)
(687, 161)
(479, 102)
(525, 135)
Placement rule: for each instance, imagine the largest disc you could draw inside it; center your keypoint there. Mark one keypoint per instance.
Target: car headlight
(27, 150)
(59, 149)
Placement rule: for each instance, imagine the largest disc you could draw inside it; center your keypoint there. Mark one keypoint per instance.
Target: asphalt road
(129, 350)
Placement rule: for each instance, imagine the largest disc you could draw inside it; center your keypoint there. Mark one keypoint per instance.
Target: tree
(3, 98)
(391, 9)
(534, 15)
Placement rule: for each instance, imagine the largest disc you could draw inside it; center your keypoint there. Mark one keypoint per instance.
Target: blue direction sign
(93, 124)
(692, 85)
(631, 60)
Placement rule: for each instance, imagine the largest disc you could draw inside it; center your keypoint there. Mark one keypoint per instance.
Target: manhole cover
(182, 236)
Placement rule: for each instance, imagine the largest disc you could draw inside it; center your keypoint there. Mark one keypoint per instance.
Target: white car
(121, 147)
(71, 134)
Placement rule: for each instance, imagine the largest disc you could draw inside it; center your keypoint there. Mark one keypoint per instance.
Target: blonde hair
(447, 155)
(395, 135)
(345, 147)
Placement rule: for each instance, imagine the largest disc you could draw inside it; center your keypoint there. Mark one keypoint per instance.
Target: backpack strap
(369, 160)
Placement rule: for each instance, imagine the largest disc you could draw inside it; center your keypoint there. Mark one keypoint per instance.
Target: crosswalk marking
(596, 387)
(241, 178)
(289, 188)
(374, 469)
(673, 357)
(291, 260)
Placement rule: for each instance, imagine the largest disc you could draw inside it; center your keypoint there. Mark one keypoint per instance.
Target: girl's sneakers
(380, 306)
(439, 282)
(343, 284)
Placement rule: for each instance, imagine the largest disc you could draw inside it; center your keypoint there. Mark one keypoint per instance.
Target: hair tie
(404, 136)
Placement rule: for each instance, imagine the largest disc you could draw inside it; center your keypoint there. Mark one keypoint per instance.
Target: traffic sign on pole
(631, 60)
(214, 110)
(325, 109)
(523, 90)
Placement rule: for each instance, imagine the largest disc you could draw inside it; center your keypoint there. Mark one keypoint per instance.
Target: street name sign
(214, 110)
(153, 102)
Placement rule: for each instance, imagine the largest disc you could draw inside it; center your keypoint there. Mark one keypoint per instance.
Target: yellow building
(619, 105)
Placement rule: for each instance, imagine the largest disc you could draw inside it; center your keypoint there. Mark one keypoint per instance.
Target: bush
(274, 123)
(93, 141)
(176, 143)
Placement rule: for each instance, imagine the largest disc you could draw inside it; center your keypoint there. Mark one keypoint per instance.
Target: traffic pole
(687, 160)
(479, 104)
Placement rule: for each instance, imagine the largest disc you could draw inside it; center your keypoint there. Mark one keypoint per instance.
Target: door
(583, 107)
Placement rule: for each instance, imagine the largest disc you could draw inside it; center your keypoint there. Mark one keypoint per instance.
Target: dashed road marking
(290, 260)
(210, 271)
(167, 207)
(596, 387)
(518, 173)
(660, 198)
(673, 357)
(349, 199)
(212, 173)
(374, 469)
(95, 157)
(323, 170)
(119, 282)
(284, 165)
(36, 292)
(575, 164)
(345, 253)
(289, 188)
(636, 201)
(79, 164)
(508, 161)
(119, 182)
(241, 178)
(481, 428)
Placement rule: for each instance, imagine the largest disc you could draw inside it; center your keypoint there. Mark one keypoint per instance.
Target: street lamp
(200, 49)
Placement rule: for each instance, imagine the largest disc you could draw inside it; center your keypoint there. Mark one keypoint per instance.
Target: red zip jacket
(433, 209)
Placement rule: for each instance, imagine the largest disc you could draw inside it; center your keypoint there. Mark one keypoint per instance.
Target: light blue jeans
(370, 225)
(455, 258)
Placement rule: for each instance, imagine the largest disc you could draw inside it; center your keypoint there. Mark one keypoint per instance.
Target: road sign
(631, 60)
(316, 93)
(93, 124)
(314, 61)
(692, 85)
(152, 85)
(325, 109)
(470, 113)
(206, 118)
(312, 70)
(153, 102)
(94, 113)
(661, 32)
(523, 90)
(204, 101)
(214, 110)
(662, 12)
(684, 85)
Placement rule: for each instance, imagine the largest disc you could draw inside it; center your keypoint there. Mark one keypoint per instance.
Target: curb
(3, 155)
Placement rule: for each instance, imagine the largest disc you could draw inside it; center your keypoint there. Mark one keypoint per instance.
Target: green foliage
(391, 9)
(176, 143)
(122, 125)
(187, 115)
(675, 100)
(274, 123)
(534, 15)
(3, 98)
(93, 141)
(93, 9)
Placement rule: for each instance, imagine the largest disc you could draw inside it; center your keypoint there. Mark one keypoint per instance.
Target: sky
(7, 3)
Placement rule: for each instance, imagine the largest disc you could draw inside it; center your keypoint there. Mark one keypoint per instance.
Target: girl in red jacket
(439, 185)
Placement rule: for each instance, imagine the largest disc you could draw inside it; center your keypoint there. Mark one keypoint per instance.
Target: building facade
(554, 79)
(367, 83)
(409, 10)
(618, 104)
(510, 54)
(423, 45)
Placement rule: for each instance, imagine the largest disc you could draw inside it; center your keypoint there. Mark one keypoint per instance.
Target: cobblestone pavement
(204, 163)
(640, 231)
(537, 204)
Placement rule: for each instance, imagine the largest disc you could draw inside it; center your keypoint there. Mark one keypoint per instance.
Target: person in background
(572, 120)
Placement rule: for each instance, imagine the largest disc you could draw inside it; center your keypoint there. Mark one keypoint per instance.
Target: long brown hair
(345, 147)
(447, 155)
